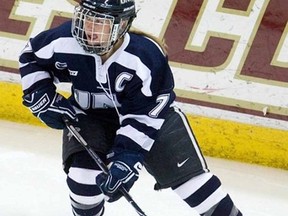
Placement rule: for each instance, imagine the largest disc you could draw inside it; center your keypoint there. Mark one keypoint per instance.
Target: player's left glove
(123, 171)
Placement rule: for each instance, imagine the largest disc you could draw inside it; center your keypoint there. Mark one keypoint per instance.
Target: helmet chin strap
(114, 38)
(114, 34)
(113, 48)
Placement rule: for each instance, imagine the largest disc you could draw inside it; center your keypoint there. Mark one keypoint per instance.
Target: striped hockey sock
(204, 194)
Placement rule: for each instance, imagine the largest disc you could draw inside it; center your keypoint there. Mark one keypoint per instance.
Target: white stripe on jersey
(133, 62)
(68, 45)
(151, 122)
(32, 78)
(25, 64)
(140, 138)
(142, 71)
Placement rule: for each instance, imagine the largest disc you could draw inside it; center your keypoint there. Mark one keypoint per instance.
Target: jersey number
(161, 100)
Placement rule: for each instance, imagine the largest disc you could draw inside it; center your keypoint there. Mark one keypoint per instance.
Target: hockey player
(122, 102)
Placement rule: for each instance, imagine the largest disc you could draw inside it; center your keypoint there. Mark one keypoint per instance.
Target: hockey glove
(124, 171)
(50, 107)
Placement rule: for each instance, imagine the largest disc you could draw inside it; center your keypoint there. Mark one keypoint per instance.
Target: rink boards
(217, 137)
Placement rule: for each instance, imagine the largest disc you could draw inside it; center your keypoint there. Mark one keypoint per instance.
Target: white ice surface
(32, 182)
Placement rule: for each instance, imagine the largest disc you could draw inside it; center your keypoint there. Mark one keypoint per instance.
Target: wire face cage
(95, 32)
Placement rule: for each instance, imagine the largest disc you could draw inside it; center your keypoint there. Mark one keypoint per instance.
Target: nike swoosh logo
(182, 163)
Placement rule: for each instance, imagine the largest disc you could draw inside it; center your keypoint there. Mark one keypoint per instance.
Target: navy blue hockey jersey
(136, 80)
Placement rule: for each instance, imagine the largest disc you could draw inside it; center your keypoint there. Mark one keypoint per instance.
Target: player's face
(97, 30)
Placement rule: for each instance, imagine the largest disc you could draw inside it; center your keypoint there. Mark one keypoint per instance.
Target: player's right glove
(50, 107)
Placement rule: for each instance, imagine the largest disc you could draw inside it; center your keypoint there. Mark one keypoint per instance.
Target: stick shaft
(101, 164)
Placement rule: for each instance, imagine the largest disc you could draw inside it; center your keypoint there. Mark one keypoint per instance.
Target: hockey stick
(101, 164)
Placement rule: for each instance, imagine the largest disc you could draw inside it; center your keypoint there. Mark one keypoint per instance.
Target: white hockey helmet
(116, 15)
